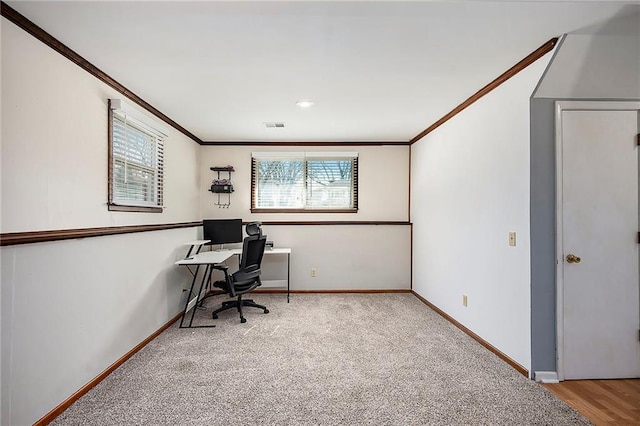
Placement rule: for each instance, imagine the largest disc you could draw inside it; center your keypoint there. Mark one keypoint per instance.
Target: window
(135, 160)
(304, 182)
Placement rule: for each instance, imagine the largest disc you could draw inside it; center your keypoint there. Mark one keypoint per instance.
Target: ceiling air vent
(274, 124)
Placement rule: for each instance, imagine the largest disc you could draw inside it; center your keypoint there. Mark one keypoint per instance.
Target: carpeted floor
(323, 359)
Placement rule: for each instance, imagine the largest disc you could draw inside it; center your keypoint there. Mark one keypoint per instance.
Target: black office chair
(247, 278)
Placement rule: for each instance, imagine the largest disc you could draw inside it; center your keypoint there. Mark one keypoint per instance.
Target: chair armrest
(227, 278)
(220, 266)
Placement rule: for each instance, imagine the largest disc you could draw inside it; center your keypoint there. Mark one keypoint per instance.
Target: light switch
(512, 239)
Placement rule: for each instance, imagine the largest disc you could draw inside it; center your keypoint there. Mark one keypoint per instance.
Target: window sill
(262, 210)
(141, 209)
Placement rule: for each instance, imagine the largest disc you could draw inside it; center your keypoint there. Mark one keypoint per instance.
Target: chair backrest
(252, 247)
(248, 275)
(252, 252)
(253, 228)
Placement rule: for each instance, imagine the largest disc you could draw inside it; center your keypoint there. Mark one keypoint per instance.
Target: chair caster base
(238, 304)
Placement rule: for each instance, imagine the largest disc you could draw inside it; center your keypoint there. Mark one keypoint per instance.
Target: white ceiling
(377, 71)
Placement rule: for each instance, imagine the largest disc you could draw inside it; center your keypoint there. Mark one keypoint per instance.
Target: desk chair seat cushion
(244, 281)
(241, 282)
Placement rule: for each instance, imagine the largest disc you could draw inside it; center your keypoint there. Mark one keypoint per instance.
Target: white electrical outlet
(512, 238)
(313, 272)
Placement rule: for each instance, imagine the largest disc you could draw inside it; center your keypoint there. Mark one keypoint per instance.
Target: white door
(598, 252)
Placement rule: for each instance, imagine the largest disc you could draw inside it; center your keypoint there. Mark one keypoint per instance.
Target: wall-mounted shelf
(222, 185)
(223, 169)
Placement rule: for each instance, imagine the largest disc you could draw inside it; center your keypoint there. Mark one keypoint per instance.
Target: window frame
(117, 109)
(305, 157)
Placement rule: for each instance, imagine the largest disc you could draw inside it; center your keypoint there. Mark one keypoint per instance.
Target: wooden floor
(604, 402)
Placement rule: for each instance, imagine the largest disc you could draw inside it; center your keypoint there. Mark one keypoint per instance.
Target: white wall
(72, 308)
(599, 62)
(469, 189)
(54, 146)
(382, 183)
(346, 257)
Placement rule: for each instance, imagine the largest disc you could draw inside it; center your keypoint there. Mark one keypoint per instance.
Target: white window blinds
(136, 162)
(305, 181)
(280, 183)
(330, 182)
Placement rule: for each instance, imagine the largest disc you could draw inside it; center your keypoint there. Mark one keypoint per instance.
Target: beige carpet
(323, 359)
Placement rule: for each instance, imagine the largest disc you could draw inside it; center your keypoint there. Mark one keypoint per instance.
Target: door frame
(562, 106)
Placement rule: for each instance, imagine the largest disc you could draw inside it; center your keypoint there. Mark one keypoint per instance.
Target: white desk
(208, 259)
(197, 245)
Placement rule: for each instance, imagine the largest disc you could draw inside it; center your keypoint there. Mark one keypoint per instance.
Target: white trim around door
(562, 106)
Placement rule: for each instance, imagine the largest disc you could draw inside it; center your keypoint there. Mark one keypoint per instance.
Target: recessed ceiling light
(304, 103)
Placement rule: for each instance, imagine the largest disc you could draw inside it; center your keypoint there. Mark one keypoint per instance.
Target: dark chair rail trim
(15, 238)
(331, 223)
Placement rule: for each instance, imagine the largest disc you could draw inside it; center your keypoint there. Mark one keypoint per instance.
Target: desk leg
(186, 305)
(205, 276)
(288, 274)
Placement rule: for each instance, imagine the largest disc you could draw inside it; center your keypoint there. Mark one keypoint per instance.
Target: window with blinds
(304, 182)
(136, 161)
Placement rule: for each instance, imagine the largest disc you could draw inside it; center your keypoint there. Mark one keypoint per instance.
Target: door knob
(572, 258)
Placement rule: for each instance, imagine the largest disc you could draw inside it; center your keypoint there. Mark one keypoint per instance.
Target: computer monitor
(222, 231)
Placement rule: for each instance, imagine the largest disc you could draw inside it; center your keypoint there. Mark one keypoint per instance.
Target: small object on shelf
(220, 185)
(221, 189)
(218, 188)
(222, 182)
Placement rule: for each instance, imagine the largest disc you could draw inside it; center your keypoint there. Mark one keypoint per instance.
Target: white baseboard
(546, 377)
